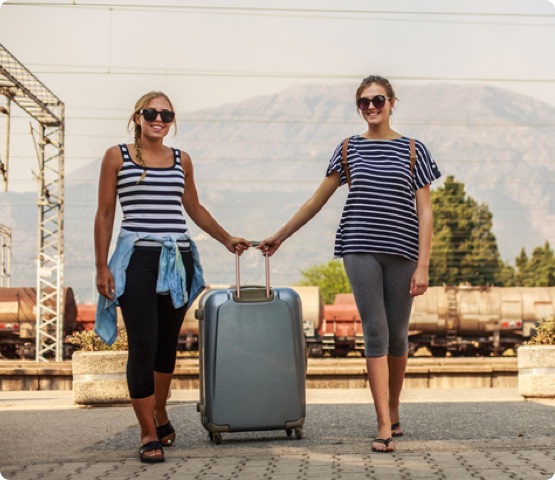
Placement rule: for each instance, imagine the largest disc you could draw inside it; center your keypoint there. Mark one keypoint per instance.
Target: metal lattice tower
(20, 86)
(5, 256)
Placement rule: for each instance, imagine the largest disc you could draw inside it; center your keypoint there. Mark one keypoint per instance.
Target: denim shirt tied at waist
(172, 278)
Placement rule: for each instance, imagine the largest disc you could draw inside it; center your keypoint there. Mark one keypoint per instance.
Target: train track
(422, 372)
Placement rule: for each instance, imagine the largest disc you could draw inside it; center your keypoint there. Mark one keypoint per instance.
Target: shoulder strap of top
(125, 155)
(344, 163)
(176, 155)
(412, 150)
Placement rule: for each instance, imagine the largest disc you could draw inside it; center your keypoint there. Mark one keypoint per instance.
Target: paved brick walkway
(488, 434)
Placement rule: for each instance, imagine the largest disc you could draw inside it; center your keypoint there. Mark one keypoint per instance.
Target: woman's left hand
(419, 281)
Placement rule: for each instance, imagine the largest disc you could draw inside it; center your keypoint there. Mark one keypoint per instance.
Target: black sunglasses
(150, 114)
(364, 103)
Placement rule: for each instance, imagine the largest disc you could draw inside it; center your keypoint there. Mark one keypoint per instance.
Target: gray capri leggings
(381, 286)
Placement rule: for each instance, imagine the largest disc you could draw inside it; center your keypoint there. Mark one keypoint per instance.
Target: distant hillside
(256, 161)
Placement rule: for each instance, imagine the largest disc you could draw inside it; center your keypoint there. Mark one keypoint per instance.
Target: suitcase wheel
(215, 437)
(298, 432)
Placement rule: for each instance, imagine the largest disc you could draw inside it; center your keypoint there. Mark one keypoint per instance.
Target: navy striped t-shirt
(154, 205)
(379, 215)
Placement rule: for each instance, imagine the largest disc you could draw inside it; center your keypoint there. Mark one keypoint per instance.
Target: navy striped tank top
(154, 205)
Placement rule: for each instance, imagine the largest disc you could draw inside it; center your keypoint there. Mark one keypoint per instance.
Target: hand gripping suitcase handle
(238, 273)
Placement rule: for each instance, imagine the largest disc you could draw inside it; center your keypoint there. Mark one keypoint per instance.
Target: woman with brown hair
(384, 238)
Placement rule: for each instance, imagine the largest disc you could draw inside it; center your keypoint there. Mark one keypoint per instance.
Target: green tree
(464, 250)
(522, 277)
(330, 277)
(538, 270)
(543, 264)
(507, 276)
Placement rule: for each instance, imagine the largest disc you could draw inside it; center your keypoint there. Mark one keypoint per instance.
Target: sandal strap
(165, 430)
(151, 446)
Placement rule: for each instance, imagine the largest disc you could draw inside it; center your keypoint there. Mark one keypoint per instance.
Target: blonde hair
(141, 103)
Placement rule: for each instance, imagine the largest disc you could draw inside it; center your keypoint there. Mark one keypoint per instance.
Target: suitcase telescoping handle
(238, 274)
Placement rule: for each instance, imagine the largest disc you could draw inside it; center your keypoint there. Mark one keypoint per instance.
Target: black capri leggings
(152, 323)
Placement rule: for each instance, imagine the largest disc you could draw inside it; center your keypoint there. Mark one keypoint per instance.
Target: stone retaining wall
(498, 372)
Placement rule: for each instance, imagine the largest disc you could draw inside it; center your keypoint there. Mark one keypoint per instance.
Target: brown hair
(383, 82)
(141, 103)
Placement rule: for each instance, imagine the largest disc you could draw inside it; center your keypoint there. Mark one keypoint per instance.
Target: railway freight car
(463, 320)
(18, 320)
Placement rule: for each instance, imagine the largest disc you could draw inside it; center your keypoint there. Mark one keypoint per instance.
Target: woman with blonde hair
(154, 273)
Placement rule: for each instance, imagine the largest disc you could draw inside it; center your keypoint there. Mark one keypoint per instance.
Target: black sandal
(385, 442)
(151, 447)
(395, 426)
(165, 431)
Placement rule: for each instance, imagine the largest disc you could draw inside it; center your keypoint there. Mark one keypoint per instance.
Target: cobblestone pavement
(488, 434)
(472, 465)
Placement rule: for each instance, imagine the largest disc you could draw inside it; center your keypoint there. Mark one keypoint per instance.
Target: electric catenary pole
(21, 87)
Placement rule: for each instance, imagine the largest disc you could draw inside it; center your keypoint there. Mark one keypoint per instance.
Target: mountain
(258, 160)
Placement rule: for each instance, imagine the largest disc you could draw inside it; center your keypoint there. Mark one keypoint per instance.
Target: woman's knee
(375, 344)
(398, 347)
(165, 362)
(371, 352)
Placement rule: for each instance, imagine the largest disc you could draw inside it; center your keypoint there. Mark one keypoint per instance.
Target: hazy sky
(98, 58)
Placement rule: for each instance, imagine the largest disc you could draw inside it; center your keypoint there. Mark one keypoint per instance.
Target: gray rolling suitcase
(252, 359)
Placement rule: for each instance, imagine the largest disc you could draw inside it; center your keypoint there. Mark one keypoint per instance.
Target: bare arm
(420, 279)
(104, 219)
(307, 211)
(201, 216)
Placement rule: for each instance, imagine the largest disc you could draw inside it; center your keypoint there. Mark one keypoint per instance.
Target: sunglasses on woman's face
(150, 114)
(364, 103)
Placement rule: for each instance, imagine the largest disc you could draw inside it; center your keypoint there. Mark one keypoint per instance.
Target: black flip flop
(395, 426)
(385, 442)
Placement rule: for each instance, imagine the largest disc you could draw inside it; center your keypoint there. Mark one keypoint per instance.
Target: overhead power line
(320, 13)
(62, 69)
(332, 11)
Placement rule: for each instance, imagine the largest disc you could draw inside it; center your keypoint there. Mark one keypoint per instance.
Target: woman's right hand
(269, 245)
(105, 282)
